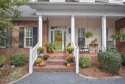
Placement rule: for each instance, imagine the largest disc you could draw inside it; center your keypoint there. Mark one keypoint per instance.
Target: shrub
(109, 61)
(123, 58)
(85, 61)
(18, 59)
(38, 60)
(40, 49)
(45, 57)
(112, 49)
(2, 60)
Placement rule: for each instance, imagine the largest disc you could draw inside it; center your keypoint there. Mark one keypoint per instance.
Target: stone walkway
(65, 78)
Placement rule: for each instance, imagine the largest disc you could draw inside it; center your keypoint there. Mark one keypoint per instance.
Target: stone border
(99, 78)
(20, 78)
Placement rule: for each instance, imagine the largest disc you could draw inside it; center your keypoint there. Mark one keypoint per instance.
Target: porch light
(69, 30)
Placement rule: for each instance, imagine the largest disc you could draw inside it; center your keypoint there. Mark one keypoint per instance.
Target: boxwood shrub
(123, 58)
(85, 61)
(18, 59)
(109, 61)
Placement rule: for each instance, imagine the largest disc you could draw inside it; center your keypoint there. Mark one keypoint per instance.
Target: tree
(8, 12)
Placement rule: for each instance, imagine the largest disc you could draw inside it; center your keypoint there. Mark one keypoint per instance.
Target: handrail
(76, 54)
(32, 57)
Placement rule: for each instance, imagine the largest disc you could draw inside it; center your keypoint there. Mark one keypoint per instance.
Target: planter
(42, 64)
(72, 64)
(40, 53)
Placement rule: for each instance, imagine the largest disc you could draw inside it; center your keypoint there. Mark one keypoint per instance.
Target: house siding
(120, 24)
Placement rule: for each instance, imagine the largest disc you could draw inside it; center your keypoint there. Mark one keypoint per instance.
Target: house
(42, 19)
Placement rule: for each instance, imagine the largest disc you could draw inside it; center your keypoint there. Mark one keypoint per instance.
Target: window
(81, 38)
(6, 37)
(28, 37)
(122, 31)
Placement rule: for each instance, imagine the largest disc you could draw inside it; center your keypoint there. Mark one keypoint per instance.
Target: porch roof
(90, 9)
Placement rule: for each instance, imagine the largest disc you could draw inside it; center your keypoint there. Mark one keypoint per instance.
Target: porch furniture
(84, 49)
(93, 47)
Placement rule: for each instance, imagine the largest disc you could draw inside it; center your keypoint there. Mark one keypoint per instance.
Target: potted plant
(88, 34)
(50, 47)
(70, 49)
(40, 50)
(115, 37)
(38, 61)
(70, 59)
(68, 63)
(45, 57)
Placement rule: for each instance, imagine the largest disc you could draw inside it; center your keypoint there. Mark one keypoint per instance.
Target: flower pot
(40, 53)
(72, 64)
(42, 64)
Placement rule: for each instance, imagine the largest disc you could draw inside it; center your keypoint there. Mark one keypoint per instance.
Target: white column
(40, 31)
(72, 29)
(104, 33)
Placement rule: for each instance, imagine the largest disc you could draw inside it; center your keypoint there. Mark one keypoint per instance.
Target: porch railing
(76, 54)
(111, 1)
(32, 57)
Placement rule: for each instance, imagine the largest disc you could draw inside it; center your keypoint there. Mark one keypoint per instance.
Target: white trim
(121, 31)
(63, 30)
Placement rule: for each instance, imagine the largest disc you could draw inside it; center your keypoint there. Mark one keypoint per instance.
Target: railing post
(77, 60)
(30, 61)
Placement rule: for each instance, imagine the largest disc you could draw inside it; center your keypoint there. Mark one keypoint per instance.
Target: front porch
(82, 24)
(72, 23)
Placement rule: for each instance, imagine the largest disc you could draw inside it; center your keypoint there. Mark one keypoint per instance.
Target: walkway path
(65, 78)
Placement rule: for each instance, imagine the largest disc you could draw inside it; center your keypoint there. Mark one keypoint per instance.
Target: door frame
(63, 34)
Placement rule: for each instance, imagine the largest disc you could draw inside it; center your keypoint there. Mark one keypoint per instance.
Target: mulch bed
(4, 75)
(95, 72)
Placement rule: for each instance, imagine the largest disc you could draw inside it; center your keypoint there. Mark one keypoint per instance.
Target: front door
(58, 37)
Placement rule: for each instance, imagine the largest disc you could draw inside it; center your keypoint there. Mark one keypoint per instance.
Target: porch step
(54, 68)
(56, 61)
(57, 57)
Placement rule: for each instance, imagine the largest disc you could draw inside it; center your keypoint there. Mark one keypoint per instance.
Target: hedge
(109, 61)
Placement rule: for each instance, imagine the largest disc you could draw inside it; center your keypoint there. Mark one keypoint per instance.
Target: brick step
(57, 57)
(53, 68)
(56, 61)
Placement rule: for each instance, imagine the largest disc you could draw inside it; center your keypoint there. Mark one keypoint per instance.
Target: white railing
(111, 1)
(32, 57)
(76, 54)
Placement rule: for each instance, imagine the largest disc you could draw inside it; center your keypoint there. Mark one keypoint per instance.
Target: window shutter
(9, 40)
(35, 30)
(21, 37)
